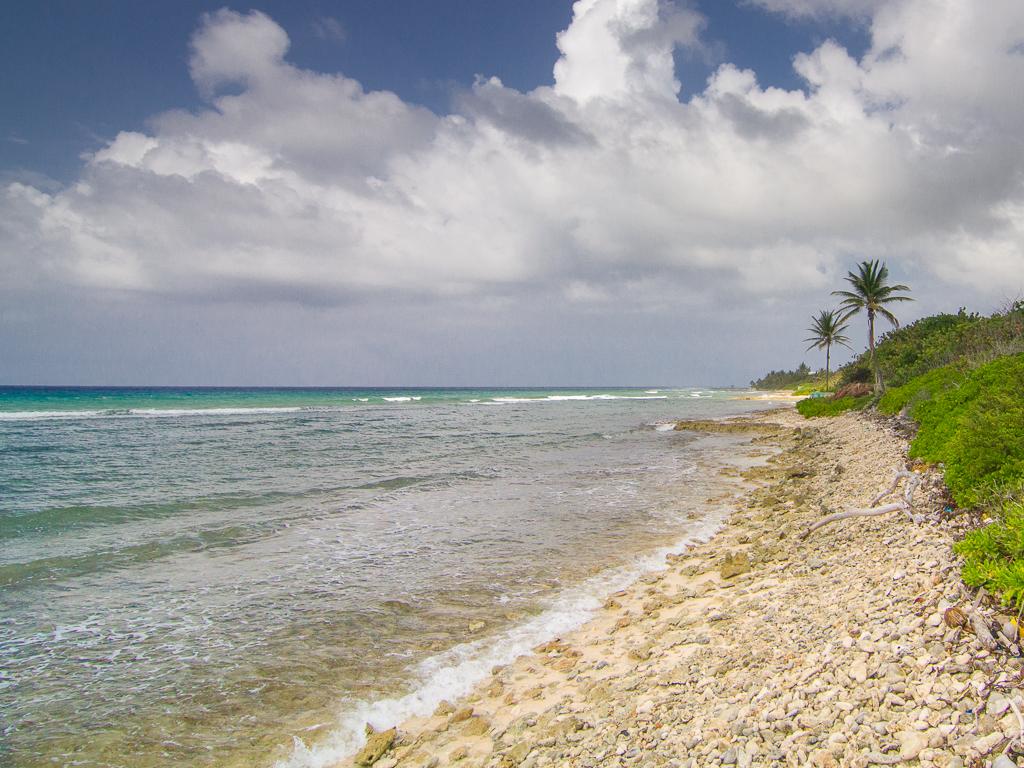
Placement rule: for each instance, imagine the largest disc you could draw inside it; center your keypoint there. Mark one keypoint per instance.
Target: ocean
(244, 577)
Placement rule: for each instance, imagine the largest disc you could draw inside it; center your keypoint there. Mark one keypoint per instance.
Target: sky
(538, 192)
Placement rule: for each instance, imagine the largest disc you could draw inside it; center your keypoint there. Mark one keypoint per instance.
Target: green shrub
(812, 407)
(906, 352)
(985, 457)
(976, 428)
(857, 372)
(936, 341)
(921, 388)
(994, 556)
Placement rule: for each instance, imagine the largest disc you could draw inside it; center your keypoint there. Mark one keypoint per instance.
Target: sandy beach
(757, 647)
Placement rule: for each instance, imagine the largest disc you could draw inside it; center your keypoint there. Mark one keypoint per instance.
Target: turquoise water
(77, 402)
(212, 576)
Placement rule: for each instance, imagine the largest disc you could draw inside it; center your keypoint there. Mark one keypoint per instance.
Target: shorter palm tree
(871, 292)
(827, 329)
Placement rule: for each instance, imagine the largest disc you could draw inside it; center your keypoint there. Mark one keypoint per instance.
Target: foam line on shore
(453, 674)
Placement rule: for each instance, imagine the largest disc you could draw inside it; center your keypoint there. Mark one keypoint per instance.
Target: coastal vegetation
(812, 407)
(782, 379)
(994, 556)
(971, 421)
(958, 380)
(969, 339)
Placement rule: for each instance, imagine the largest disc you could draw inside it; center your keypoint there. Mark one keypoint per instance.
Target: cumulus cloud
(303, 186)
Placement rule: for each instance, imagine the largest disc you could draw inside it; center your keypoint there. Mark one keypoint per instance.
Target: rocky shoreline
(757, 647)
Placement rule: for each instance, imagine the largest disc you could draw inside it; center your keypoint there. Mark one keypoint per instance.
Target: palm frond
(889, 316)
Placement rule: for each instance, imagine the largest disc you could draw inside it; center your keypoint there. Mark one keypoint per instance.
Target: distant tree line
(783, 379)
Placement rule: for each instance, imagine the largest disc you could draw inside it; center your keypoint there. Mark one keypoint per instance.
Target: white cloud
(621, 49)
(302, 186)
(858, 9)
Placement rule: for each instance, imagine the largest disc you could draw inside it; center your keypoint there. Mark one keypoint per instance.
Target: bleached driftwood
(979, 623)
(981, 628)
(905, 504)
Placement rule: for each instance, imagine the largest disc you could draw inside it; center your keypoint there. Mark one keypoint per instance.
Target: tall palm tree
(871, 293)
(827, 329)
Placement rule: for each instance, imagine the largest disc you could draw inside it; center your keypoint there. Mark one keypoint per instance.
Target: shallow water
(199, 577)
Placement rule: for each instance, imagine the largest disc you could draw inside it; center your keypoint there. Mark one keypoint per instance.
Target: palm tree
(871, 293)
(827, 329)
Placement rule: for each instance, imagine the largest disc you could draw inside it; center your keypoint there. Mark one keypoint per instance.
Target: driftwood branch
(873, 510)
(981, 628)
(980, 624)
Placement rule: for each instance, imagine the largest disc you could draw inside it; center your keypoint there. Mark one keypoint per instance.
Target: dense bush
(813, 407)
(904, 353)
(973, 422)
(936, 341)
(994, 556)
(857, 372)
(985, 457)
(921, 388)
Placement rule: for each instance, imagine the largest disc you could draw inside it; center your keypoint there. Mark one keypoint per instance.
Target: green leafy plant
(970, 420)
(994, 556)
(813, 407)
(921, 388)
(932, 342)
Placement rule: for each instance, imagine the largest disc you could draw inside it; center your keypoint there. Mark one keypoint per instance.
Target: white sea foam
(563, 398)
(146, 413)
(158, 412)
(453, 674)
(38, 415)
(665, 427)
(179, 412)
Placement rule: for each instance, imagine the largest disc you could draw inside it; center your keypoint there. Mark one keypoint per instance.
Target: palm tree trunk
(871, 344)
(828, 354)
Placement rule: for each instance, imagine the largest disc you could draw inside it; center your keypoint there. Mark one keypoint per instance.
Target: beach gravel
(758, 648)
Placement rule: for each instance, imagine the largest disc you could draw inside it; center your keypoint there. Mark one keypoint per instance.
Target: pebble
(986, 744)
(997, 704)
(911, 744)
